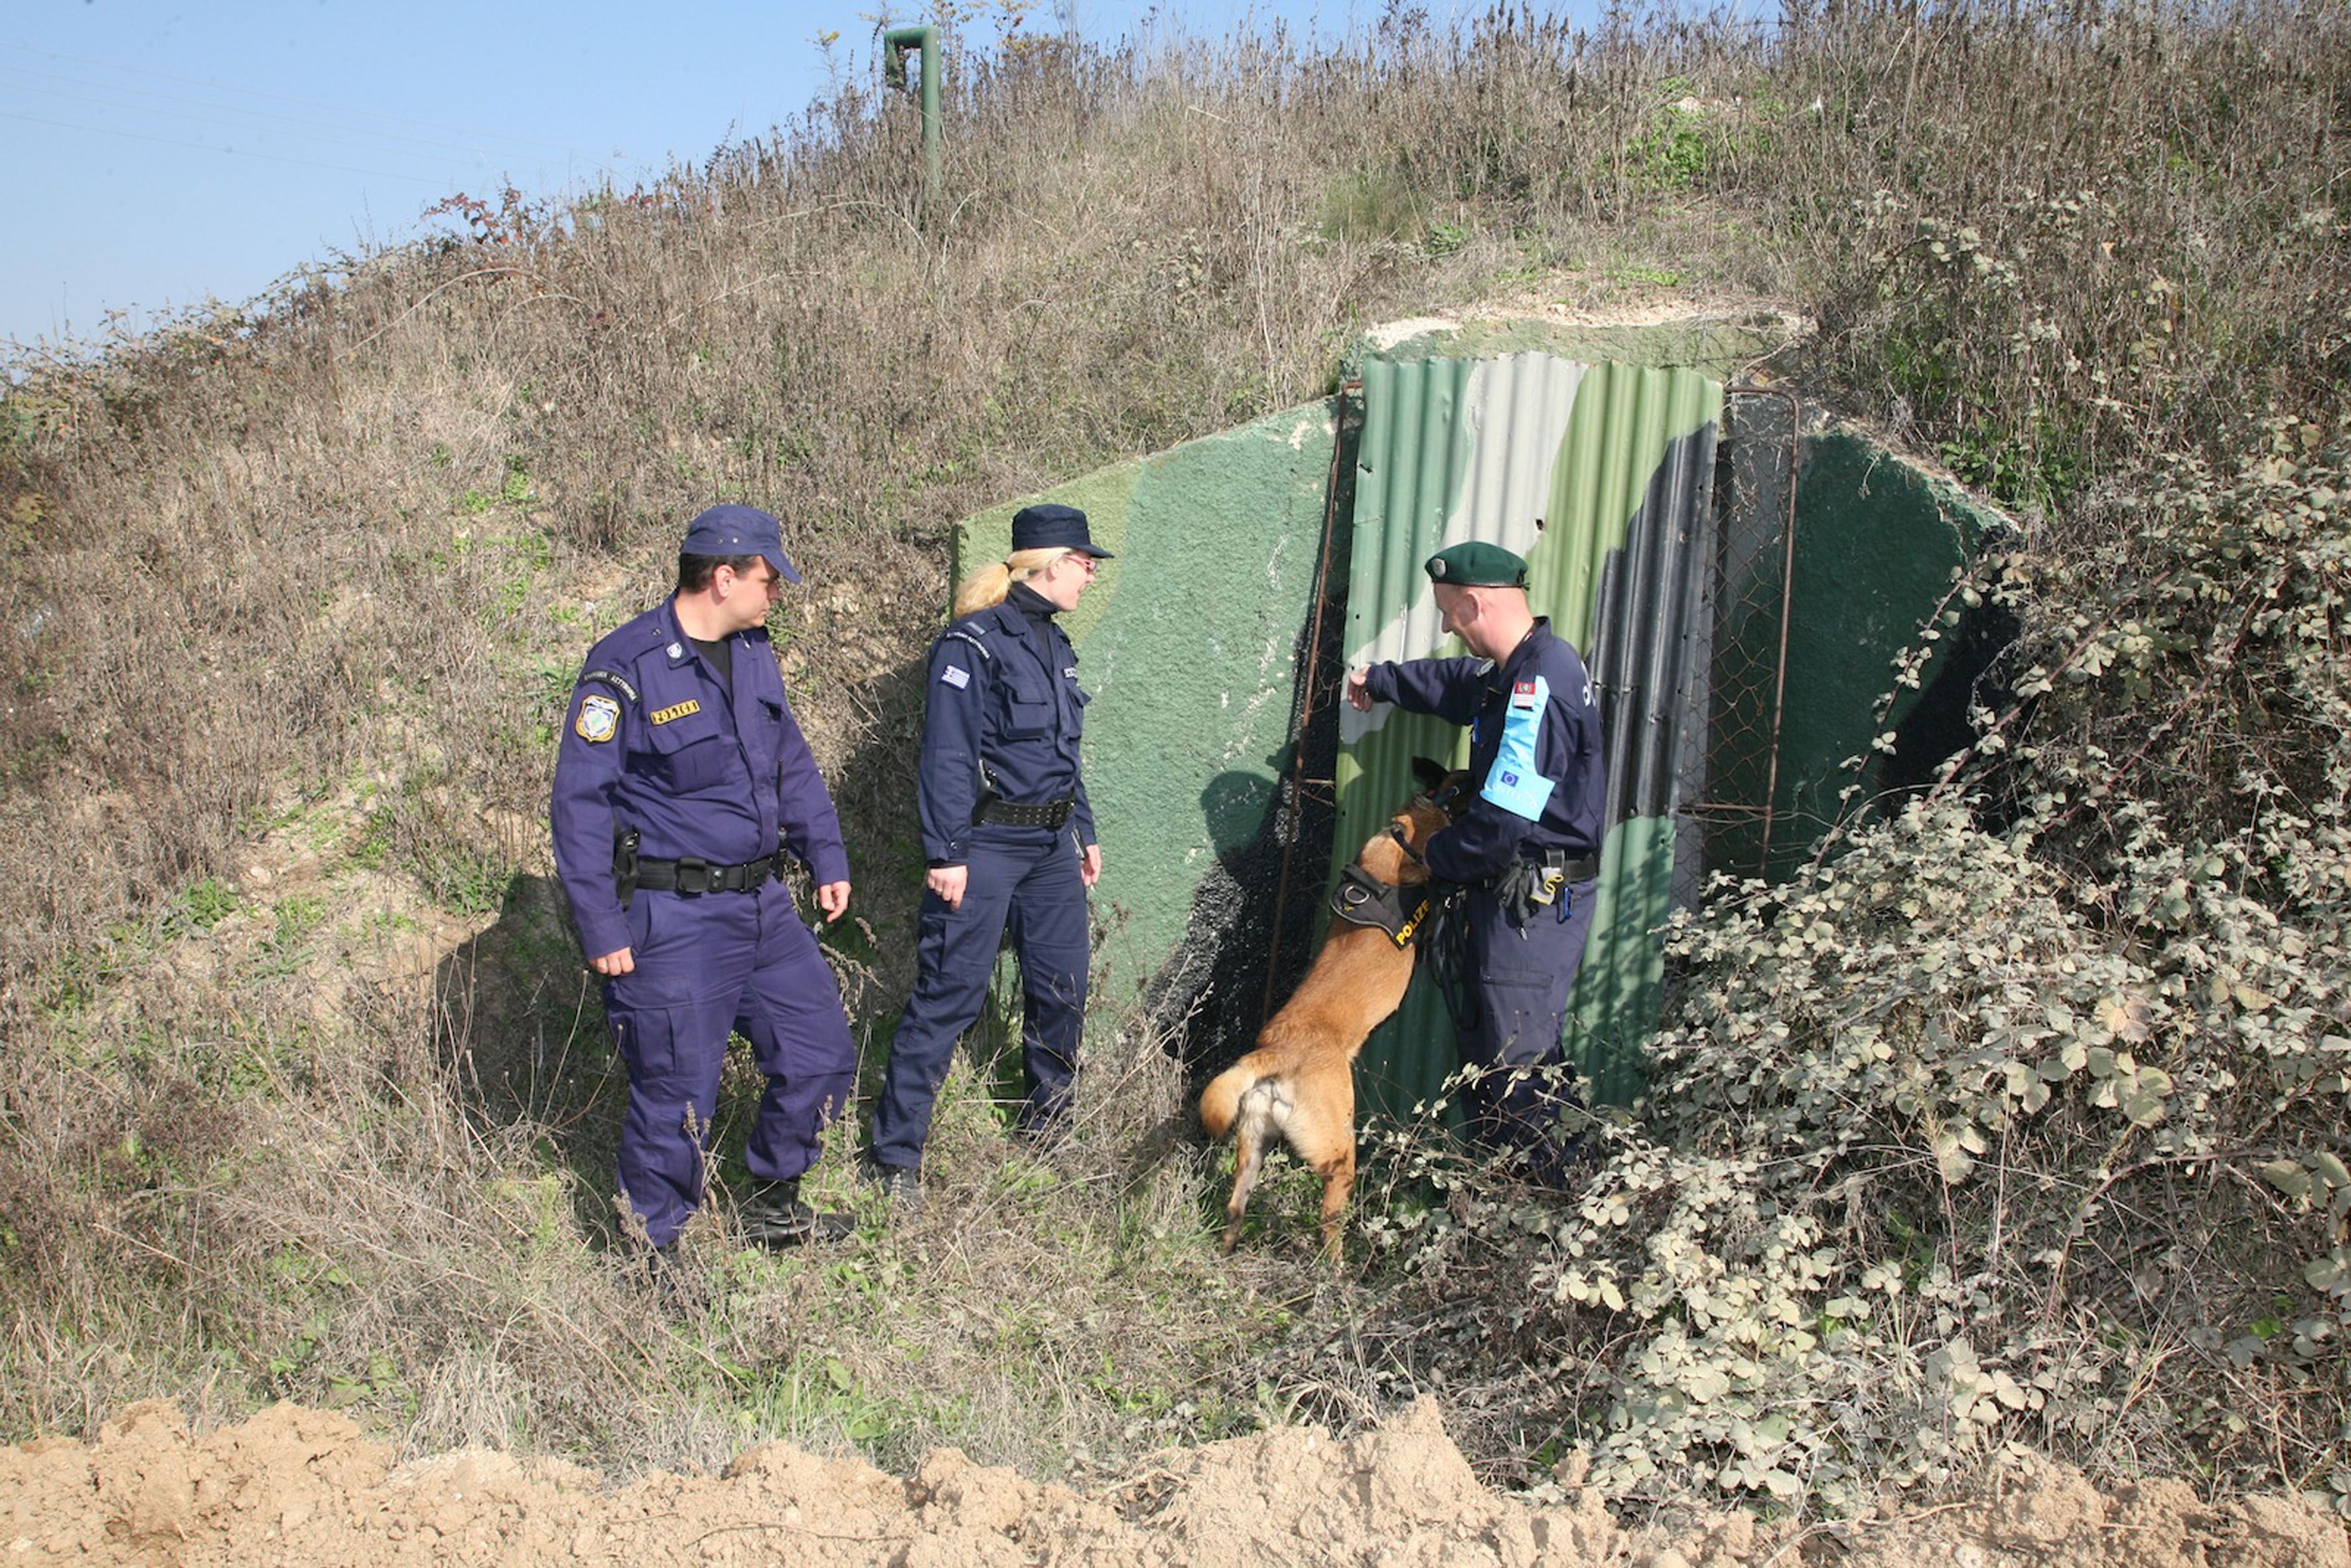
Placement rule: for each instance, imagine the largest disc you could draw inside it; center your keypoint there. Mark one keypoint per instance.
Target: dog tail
(1221, 1102)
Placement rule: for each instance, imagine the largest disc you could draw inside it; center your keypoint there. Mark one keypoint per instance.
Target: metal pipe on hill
(895, 42)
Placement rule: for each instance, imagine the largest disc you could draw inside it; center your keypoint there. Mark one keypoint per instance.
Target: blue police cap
(732, 529)
(1052, 526)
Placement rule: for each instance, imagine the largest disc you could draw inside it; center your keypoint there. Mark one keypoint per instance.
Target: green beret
(1474, 563)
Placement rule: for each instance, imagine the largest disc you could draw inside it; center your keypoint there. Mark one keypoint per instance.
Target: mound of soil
(301, 1487)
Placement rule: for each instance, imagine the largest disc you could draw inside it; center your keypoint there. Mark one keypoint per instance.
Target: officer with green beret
(1528, 847)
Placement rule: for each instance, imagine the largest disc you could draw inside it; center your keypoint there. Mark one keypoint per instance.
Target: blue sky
(160, 153)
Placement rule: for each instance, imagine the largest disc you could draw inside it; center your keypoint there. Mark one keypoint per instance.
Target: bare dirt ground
(293, 1486)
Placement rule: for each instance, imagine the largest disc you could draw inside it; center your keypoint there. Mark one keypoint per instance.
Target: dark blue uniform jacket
(654, 742)
(1004, 697)
(1534, 752)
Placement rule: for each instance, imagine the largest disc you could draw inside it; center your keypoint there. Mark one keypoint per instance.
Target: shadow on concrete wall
(1972, 670)
(1257, 913)
(1245, 933)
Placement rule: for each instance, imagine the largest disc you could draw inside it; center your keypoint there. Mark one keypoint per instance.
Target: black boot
(676, 1289)
(774, 1216)
(901, 1185)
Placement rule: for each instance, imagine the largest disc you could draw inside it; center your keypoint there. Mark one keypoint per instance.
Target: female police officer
(1007, 836)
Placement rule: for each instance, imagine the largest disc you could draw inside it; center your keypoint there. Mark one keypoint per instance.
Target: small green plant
(1446, 238)
(1379, 205)
(514, 491)
(469, 881)
(202, 905)
(1642, 275)
(288, 948)
(1680, 144)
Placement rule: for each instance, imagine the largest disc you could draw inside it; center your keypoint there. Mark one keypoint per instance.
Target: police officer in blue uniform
(682, 782)
(1527, 849)
(1007, 836)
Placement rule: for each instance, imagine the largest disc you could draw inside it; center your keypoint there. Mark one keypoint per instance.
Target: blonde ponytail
(986, 588)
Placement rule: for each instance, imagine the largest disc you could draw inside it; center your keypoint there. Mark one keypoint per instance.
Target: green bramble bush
(1965, 1136)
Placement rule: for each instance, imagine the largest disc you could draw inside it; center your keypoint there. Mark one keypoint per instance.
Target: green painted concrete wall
(1877, 542)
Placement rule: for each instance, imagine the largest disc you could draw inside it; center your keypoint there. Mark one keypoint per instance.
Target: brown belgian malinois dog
(1299, 1081)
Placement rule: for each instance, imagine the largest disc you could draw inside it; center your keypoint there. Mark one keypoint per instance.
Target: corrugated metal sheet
(1602, 476)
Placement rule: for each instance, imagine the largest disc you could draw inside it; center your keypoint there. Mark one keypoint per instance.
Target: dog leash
(1445, 941)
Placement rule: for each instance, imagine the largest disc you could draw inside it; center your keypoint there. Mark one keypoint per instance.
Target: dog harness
(1364, 900)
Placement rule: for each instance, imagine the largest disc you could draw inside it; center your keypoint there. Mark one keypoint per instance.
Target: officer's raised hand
(1359, 693)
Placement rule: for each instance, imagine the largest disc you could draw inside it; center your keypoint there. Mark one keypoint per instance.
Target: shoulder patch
(614, 679)
(599, 718)
(955, 675)
(971, 635)
(675, 711)
(1515, 782)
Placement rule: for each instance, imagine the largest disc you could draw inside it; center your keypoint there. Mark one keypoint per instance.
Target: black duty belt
(1013, 814)
(1528, 885)
(1552, 863)
(694, 875)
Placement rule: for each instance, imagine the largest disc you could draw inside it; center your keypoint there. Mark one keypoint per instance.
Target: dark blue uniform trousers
(1518, 978)
(1025, 880)
(707, 964)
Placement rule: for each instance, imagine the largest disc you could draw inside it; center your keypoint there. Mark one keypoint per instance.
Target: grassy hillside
(1973, 1137)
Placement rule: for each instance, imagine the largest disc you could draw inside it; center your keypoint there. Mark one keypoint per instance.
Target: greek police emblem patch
(599, 720)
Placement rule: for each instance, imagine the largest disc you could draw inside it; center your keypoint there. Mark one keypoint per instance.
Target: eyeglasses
(1081, 560)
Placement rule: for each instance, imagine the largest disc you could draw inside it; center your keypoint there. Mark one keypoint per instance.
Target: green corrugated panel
(1601, 476)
